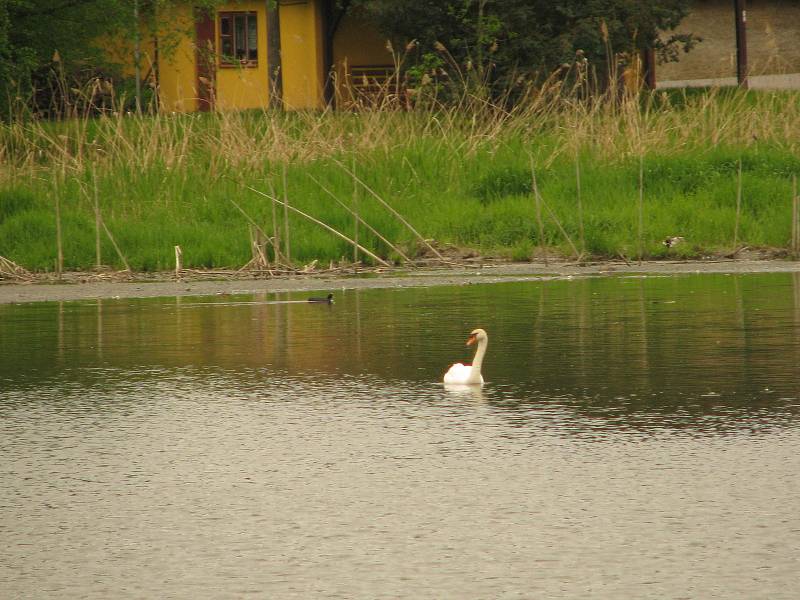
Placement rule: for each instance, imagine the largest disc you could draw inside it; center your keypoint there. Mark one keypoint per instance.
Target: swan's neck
(477, 362)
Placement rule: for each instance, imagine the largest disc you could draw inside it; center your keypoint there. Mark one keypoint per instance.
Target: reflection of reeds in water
(624, 343)
(795, 220)
(796, 315)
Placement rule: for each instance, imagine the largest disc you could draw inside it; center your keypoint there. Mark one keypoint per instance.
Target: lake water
(636, 438)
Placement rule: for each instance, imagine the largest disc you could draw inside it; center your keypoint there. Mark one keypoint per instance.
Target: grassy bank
(459, 176)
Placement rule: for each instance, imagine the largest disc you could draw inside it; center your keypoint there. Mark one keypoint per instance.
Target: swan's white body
(470, 374)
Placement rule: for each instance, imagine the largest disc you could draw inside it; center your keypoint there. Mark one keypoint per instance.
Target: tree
(50, 47)
(507, 41)
(43, 38)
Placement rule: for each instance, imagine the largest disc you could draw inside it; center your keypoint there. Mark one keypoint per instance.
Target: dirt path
(87, 288)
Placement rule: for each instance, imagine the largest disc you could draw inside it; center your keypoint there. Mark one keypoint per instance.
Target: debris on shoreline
(11, 270)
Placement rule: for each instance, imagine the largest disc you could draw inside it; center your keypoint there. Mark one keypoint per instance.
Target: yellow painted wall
(357, 43)
(177, 73)
(120, 51)
(360, 44)
(245, 87)
(301, 54)
(302, 58)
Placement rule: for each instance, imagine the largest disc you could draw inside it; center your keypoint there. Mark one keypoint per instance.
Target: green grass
(460, 178)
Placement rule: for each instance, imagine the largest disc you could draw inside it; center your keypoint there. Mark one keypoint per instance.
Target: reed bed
(615, 176)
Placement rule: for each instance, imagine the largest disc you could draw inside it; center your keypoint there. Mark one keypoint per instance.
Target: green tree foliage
(45, 40)
(49, 49)
(503, 41)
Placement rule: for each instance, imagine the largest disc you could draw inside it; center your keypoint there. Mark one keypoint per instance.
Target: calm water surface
(636, 438)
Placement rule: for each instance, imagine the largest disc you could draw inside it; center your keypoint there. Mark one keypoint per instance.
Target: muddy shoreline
(87, 286)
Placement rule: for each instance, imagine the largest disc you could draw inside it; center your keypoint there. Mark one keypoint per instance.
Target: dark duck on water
(327, 300)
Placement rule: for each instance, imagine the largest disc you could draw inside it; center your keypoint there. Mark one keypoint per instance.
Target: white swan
(470, 374)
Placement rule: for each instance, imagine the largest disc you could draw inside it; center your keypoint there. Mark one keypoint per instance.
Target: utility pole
(741, 43)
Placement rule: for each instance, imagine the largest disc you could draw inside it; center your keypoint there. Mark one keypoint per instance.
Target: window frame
(229, 59)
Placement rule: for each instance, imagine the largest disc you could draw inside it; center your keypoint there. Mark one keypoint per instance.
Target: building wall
(773, 33)
(357, 43)
(177, 76)
(302, 60)
(235, 87)
(119, 50)
(244, 87)
(301, 53)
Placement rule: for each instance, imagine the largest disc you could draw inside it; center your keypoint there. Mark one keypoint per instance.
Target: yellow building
(299, 53)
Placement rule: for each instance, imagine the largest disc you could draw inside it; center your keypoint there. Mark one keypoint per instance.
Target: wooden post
(741, 42)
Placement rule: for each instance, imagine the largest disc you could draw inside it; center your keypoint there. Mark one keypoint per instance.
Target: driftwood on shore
(12, 271)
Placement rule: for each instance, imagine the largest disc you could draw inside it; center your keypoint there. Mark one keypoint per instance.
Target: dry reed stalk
(321, 224)
(116, 247)
(362, 221)
(580, 202)
(258, 250)
(392, 210)
(288, 252)
(59, 243)
(178, 262)
(98, 256)
(355, 212)
(554, 217)
(641, 207)
(276, 241)
(255, 225)
(537, 199)
(11, 270)
(738, 207)
(540, 202)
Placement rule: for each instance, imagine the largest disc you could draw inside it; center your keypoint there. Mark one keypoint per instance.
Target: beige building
(773, 46)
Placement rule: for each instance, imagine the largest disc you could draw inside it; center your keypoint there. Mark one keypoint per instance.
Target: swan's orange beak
(471, 340)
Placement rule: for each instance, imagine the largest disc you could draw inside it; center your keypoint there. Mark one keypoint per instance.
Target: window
(238, 39)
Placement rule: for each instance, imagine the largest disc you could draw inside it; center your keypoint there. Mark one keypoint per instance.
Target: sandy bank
(86, 287)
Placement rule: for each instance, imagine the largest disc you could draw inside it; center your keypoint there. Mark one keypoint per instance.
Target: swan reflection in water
(465, 391)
